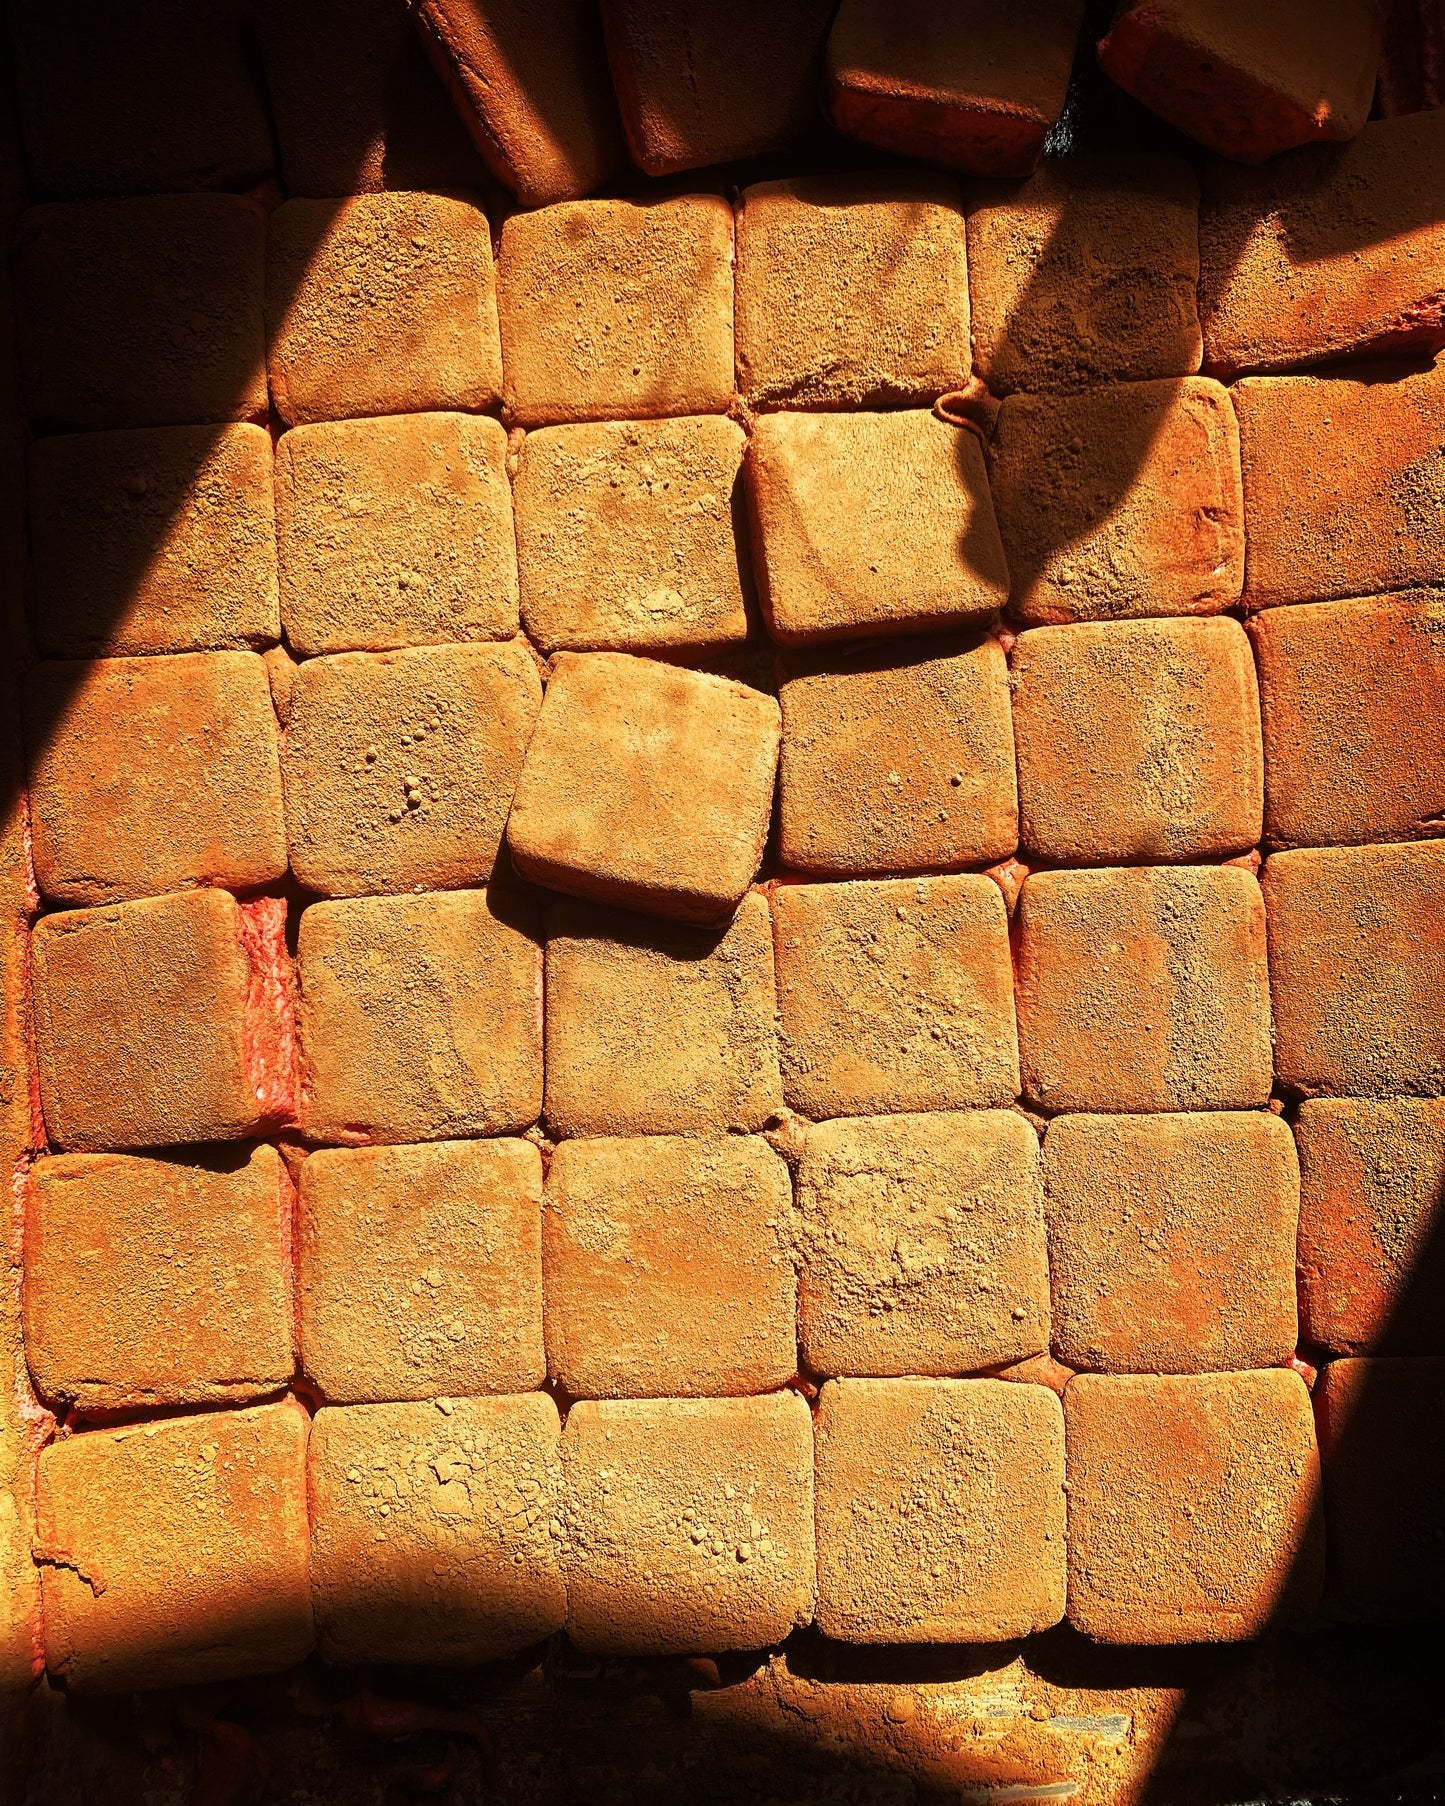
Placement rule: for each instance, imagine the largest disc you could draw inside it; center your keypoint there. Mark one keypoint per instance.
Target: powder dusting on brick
(269, 1019)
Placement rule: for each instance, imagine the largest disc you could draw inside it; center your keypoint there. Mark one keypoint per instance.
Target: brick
(913, 489)
(687, 1523)
(1194, 1511)
(381, 304)
(940, 1508)
(1143, 990)
(1124, 500)
(1137, 740)
(619, 310)
(897, 758)
(1086, 273)
(395, 532)
(1353, 695)
(420, 1017)
(970, 86)
(419, 1270)
(430, 1539)
(176, 1552)
(625, 535)
(922, 1242)
(144, 312)
(655, 1027)
(1357, 969)
(400, 766)
(641, 1238)
(159, 540)
(153, 774)
(646, 785)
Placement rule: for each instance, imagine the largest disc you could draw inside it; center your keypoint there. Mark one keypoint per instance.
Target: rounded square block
(654, 1028)
(894, 996)
(1137, 740)
(157, 1282)
(687, 1523)
(922, 1241)
(646, 785)
(153, 774)
(940, 1508)
(625, 534)
(1143, 990)
(619, 310)
(175, 1553)
(380, 304)
(430, 1531)
(395, 532)
(871, 523)
(644, 1242)
(1120, 501)
(400, 766)
(898, 759)
(1194, 1506)
(419, 1270)
(420, 1017)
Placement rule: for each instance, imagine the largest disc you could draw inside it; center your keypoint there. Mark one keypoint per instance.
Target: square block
(1357, 969)
(395, 532)
(898, 759)
(618, 310)
(625, 534)
(922, 1242)
(894, 996)
(1143, 990)
(381, 304)
(910, 490)
(1137, 740)
(646, 785)
(1172, 1241)
(1123, 500)
(157, 1282)
(430, 1537)
(687, 1523)
(852, 290)
(153, 774)
(175, 1553)
(400, 766)
(940, 1507)
(159, 540)
(1086, 273)
(642, 1240)
(420, 1017)
(655, 1028)
(142, 312)
(1194, 1505)
(419, 1270)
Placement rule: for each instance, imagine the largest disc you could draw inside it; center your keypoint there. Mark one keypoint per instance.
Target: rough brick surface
(1194, 1511)
(940, 1509)
(687, 1523)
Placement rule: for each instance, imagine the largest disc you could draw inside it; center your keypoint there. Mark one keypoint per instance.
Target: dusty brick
(922, 1243)
(380, 304)
(1143, 990)
(176, 1552)
(419, 1270)
(420, 1017)
(1194, 1512)
(644, 1242)
(429, 1538)
(400, 766)
(646, 785)
(656, 1028)
(395, 532)
(687, 1523)
(940, 1508)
